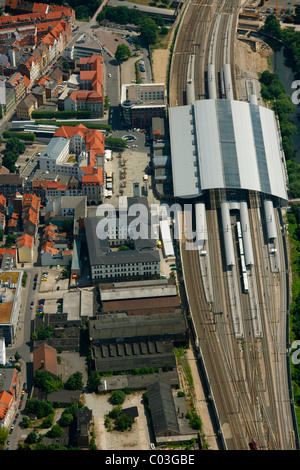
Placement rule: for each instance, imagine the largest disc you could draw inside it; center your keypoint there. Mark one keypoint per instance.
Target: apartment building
(90, 96)
(10, 295)
(26, 107)
(17, 83)
(78, 152)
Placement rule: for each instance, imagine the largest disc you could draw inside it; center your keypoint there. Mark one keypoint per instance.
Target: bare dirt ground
(249, 65)
(136, 439)
(160, 61)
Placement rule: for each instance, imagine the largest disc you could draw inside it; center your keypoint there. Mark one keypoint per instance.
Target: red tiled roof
(6, 400)
(25, 240)
(96, 177)
(45, 358)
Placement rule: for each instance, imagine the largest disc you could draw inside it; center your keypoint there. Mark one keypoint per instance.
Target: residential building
(92, 186)
(9, 387)
(90, 96)
(26, 107)
(51, 256)
(77, 152)
(8, 259)
(10, 101)
(17, 82)
(39, 92)
(30, 214)
(11, 183)
(25, 246)
(10, 301)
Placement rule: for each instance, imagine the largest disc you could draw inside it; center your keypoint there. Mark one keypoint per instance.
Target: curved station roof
(225, 144)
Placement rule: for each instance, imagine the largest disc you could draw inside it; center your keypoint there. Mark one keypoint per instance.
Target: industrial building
(140, 297)
(124, 343)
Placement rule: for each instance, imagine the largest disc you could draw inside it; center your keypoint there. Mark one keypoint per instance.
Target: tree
(65, 419)
(40, 408)
(297, 15)
(81, 12)
(148, 30)
(3, 436)
(93, 381)
(272, 26)
(66, 65)
(67, 225)
(31, 438)
(124, 422)
(13, 143)
(55, 431)
(117, 397)
(123, 248)
(122, 53)
(45, 381)
(74, 382)
(10, 239)
(26, 421)
(17, 355)
(9, 160)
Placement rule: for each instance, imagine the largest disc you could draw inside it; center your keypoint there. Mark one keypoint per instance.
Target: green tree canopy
(40, 408)
(74, 382)
(94, 381)
(55, 431)
(148, 30)
(272, 26)
(122, 53)
(124, 422)
(117, 397)
(13, 143)
(9, 160)
(45, 381)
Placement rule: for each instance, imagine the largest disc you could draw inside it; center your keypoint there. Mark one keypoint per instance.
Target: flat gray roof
(55, 147)
(108, 327)
(139, 292)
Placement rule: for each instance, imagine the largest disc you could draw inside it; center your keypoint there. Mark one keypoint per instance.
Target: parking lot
(27, 160)
(53, 283)
(130, 166)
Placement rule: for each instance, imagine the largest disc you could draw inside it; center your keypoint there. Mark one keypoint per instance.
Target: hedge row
(28, 136)
(89, 125)
(61, 114)
(113, 143)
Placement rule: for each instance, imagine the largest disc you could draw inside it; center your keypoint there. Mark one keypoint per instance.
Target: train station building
(226, 144)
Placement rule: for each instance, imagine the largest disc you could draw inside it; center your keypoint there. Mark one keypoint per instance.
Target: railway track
(245, 375)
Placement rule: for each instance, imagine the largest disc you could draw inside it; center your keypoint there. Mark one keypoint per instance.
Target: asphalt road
(22, 345)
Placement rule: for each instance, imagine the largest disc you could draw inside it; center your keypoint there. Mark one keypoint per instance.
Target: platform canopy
(225, 144)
